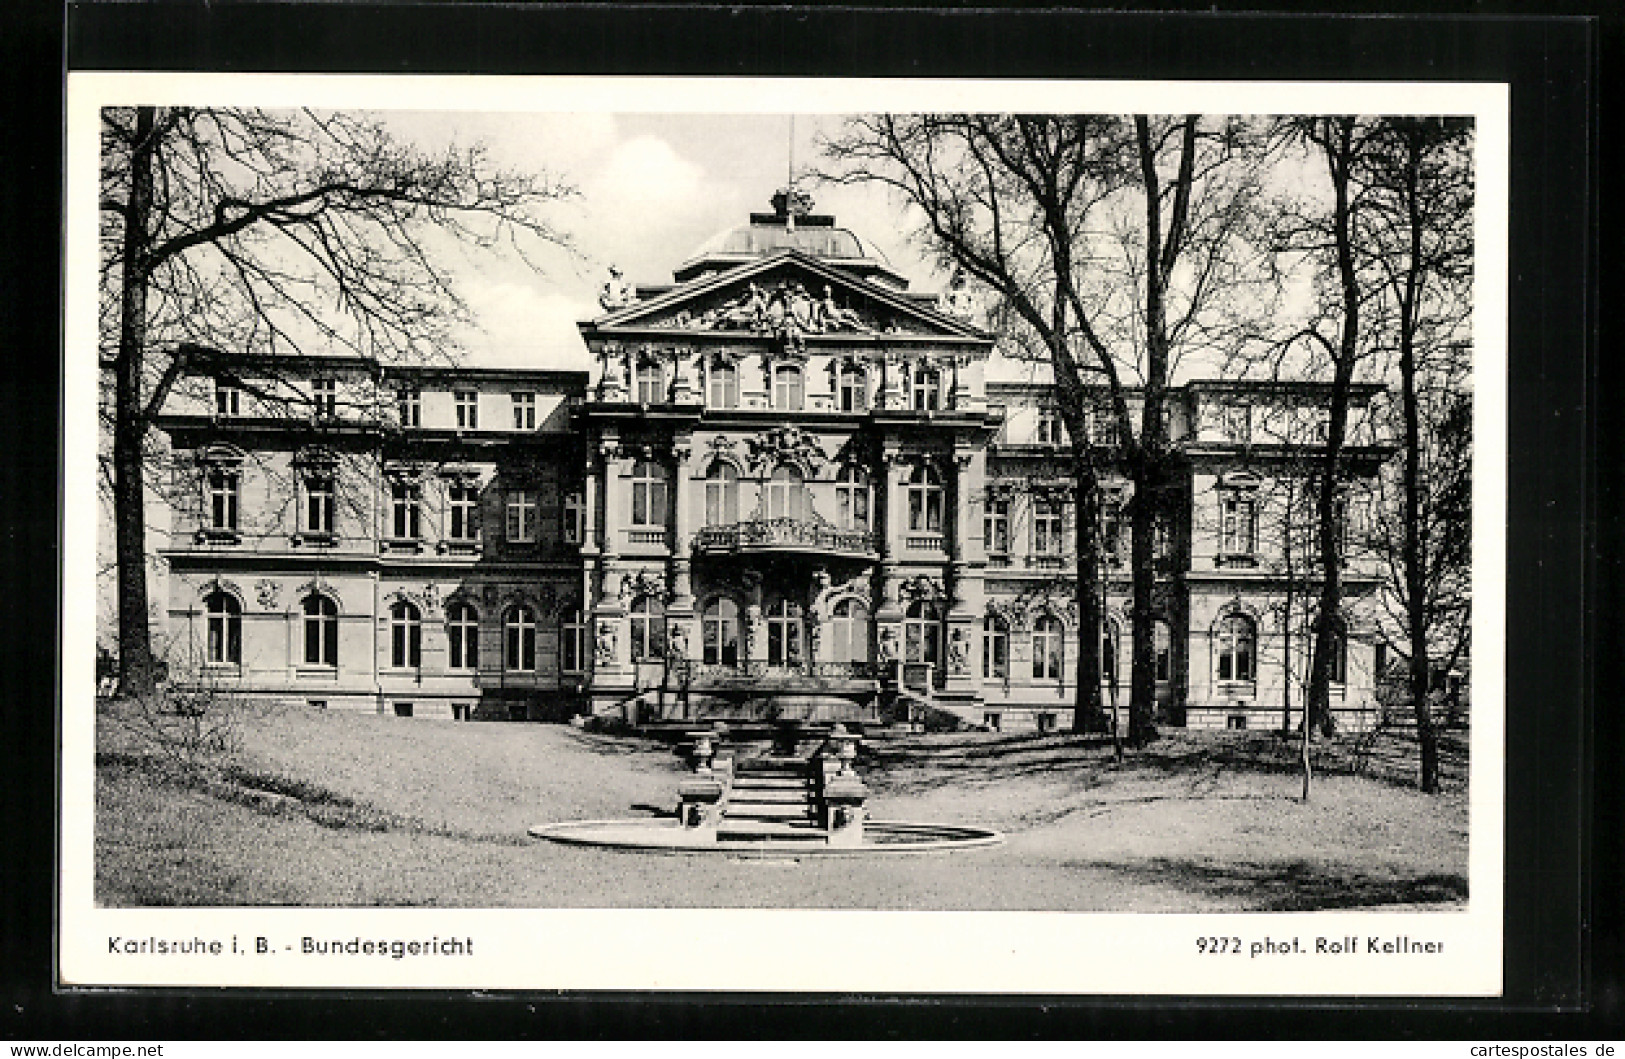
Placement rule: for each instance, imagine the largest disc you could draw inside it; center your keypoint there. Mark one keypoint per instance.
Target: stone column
(680, 612)
(611, 647)
(960, 634)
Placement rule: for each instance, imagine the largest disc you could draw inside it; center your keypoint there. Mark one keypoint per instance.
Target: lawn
(337, 809)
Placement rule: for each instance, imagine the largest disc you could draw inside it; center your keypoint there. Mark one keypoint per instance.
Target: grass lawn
(336, 809)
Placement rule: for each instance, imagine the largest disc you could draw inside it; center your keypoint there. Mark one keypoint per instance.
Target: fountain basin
(880, 837)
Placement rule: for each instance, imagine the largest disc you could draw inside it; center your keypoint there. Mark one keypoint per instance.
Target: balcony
(784, 535)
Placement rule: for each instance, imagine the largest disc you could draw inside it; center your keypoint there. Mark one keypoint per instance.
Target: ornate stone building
(796, 489)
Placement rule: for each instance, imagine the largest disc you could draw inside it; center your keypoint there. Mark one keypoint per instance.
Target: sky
(653, 188)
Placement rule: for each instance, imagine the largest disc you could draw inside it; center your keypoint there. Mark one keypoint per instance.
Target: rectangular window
(521, 516)
(573, 645)
(854, 396)
(1238, 534)
(574, 516)
(467, 404)
(996, 526)
(224, 486)
(409, 406)
(787, 390)
(1051, 431)
(228, 398)
(1237, 422)
(1103, 428)
(1046, 722)
(724, 386)
(990, 721)
(319, 496)
(462, 505)
(1046, 528)
(1111, 532)
(325, 397)
(406, 499)
(524, 411)
(651, 384)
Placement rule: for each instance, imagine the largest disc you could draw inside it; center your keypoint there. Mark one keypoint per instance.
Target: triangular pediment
(782, 292)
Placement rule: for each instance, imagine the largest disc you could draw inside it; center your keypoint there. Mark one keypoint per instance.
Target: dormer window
(228, 398)
(524, 411)
(1051, 431)
(1236, 420)
(409, 406)
(325, 398)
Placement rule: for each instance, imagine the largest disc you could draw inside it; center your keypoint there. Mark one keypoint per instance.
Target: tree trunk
(1414, 562)
(1143, 669)
(1327, 527)
(129, 429)
(1088, 714)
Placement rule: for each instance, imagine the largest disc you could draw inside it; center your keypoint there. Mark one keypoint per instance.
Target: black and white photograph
(607, 533)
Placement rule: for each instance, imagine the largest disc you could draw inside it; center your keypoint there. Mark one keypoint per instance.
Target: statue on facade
(958, 301)
(958, 650)
(677, 642)
(604, 642)
(832, 317)
(888, 645)
(616, 293)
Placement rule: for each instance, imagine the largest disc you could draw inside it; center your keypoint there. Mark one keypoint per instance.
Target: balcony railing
(786, 533)
(767, 674)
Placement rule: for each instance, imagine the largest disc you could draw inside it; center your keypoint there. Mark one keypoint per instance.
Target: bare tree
(1420, 175)
(1117, 242)
(282, 233)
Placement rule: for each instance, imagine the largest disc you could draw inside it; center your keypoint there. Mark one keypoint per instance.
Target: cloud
(526, 326)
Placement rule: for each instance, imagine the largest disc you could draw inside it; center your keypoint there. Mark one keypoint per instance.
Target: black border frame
(1558, 957)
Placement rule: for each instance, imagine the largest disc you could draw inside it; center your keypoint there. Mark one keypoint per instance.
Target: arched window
(995, 648)
(1236, 648)
(648, 494)
(786, 493)
(852, 498)
(405, 635)
(1047, 648)
(1164, 641)
(721, 494)
(784, 633)
(573, 642)
(651, 383)
(787, 388)
(849, 632)
(925, 500)
(852, 389)
(724, 386)
(321, 631)
(225, 621)
(519, 639)
(463, 636)
(648, 629)
(927, 388)
(922, 633)
(720, 629)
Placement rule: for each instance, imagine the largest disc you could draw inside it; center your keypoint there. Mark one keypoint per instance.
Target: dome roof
(755, 240)
(791, 226)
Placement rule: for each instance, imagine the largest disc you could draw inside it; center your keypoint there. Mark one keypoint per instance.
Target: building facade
(795, 489)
